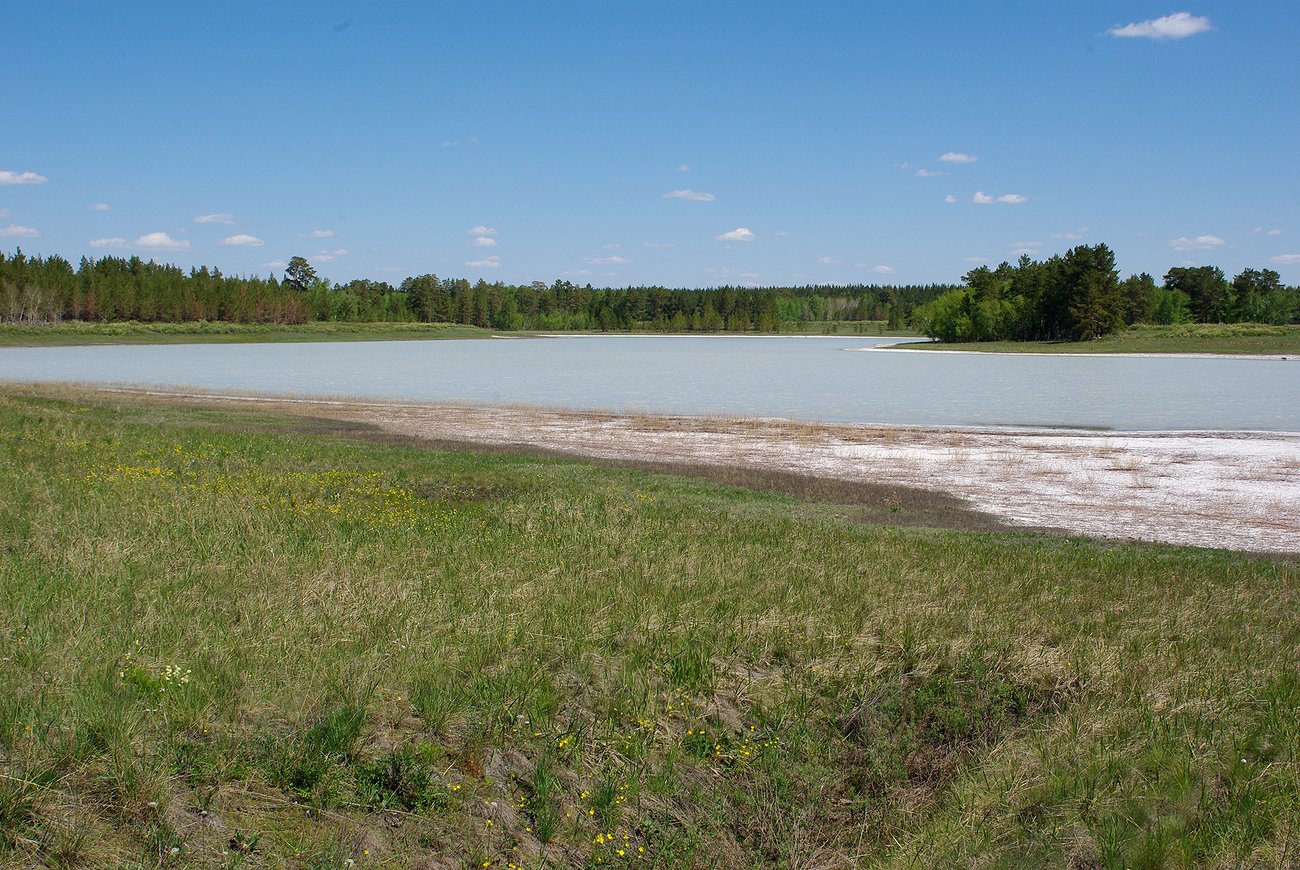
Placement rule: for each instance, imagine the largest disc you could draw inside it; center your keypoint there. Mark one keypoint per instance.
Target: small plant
(401, 779)
(245, 842)
(541, 804)
(17, 809)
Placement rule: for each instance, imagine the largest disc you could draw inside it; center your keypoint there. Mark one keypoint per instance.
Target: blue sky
(683, 144)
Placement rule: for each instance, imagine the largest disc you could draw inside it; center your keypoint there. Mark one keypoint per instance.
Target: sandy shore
(1214, 489)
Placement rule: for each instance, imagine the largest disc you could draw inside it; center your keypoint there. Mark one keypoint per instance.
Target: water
(801, 378)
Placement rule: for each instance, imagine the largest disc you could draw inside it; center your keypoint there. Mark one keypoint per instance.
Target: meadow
(77, 332)
(1217, 338)
(229, 642)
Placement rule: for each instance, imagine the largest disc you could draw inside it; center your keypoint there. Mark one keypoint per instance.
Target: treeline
(48, 289)
(1078, 296)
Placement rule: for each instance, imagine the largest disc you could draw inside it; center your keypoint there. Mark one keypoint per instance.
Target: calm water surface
(802, 378)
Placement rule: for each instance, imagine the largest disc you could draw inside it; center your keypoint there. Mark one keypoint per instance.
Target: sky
(682, 144)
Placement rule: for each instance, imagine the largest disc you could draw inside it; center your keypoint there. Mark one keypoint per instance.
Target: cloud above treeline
(158, 241)
(982, 198)
(1179, 25)
(243, 240)
(1200, 243)
(739, 234)
(20, 232)
(690, 195)
(8, 176)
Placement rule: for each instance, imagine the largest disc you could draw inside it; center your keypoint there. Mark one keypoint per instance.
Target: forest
(49, 289)
(1079, 296)
(1074, 296)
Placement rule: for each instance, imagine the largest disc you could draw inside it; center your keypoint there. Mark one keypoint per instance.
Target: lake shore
(1233, 490)
(1238, 340)
(904, 347)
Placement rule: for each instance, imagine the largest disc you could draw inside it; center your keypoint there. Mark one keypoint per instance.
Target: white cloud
(99, 206)
(243, 240)
(828, 261)
(1072, 235)
(150, 241)
(1032, 252)
(739, 234)
(329, 256)
(690, 195)
(612, 246)
(607, 261)
(1200, 243)
(487, 263)
(950, 198)
(982, 198)
(274, 264)
(481, 231)
(1285, 259)
(957, 157)
(10, 177)
(317, 234)
(685, 167)
(484, 242)
(1179, 25)
(16, 231)
(883, 270)
(1273, 233)
(215, 219)
(902, 166)
(928, 173)
(162, 242)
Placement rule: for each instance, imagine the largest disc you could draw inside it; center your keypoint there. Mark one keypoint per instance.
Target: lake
(833, 379)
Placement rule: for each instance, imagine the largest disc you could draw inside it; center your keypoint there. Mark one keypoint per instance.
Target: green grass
(1224, 338)
(206, 332)
(221, 648)
(131, 332)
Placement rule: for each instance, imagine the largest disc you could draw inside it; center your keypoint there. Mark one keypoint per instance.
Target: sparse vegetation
(228, 648)
(1231, 338)
(74, 332)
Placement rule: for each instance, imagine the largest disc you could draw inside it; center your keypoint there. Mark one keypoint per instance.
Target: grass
(206, 332)
(209, 332)
(1219, 338)
(228, 648)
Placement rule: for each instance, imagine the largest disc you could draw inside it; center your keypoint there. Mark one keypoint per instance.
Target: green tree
(1096, 303)
(1256, 293)
(299, 274)
(1208, 292)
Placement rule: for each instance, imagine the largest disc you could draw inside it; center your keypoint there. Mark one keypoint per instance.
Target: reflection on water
(802, 378)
